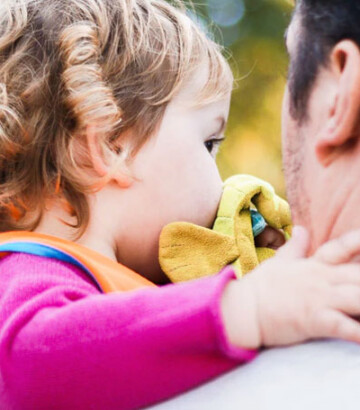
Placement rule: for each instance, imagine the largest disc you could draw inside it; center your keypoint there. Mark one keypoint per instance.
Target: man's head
(321, 117)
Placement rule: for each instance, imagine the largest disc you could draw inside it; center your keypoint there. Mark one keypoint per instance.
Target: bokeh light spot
(226, 13)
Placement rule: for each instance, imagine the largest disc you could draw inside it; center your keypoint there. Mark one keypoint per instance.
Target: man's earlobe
(343, 121)
(99, 163)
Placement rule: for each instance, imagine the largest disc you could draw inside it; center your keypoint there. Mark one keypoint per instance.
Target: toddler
(111, 114)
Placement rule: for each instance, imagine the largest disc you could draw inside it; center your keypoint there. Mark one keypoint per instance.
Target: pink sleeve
(65, 345)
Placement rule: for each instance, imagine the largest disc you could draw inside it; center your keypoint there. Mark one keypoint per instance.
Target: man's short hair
(323, 23)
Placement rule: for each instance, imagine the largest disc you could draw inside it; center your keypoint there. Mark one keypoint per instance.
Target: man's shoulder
(322, 374)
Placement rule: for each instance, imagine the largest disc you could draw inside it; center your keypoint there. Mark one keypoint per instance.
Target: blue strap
(37, 249)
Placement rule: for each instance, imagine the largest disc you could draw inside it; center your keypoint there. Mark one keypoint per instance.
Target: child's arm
(290, 299)
(63, 344)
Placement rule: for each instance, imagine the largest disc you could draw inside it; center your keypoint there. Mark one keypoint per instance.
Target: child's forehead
(190, 108)
(196, 81)
(192, 89)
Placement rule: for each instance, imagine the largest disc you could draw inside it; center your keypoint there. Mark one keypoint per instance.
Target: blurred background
(253, 32)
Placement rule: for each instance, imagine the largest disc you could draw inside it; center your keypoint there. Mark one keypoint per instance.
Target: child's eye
(212, 144)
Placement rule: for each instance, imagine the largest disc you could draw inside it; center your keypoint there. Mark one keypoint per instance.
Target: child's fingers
(340, 250)
(270, 238)
(346, 274)
(347, 299)
(298, 245)
(339, 326)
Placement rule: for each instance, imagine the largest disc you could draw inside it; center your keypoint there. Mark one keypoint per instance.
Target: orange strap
(110, 275)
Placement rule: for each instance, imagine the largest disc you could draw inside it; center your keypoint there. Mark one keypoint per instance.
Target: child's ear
(343, 120)
(99, 163)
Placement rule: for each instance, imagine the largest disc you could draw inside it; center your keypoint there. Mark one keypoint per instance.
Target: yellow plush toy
(188, 251)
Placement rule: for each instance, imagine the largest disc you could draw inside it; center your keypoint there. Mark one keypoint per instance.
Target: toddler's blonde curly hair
(67, 64)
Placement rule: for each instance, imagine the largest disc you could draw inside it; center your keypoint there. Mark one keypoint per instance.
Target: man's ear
(99, 163)
(343, 121)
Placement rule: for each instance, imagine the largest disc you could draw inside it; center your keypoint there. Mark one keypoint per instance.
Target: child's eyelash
(218, 141)
(213, 143)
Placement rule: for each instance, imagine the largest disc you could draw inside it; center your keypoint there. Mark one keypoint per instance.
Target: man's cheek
(285, 109)
(287, 123)
(292, 158)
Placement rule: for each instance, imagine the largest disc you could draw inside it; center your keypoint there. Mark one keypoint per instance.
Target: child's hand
(270, 238)
(291, 298)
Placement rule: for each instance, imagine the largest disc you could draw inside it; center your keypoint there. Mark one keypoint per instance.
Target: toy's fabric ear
(188, 251)
(242, 191)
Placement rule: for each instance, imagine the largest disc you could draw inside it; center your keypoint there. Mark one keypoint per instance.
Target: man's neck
(340, 216)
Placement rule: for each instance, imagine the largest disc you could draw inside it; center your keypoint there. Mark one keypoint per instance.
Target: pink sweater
(65, 345)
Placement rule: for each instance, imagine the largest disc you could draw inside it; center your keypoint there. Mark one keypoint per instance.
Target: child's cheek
(208, 194)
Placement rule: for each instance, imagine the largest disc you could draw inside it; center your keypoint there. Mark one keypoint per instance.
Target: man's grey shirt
(316, 375)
